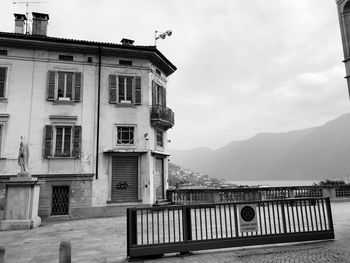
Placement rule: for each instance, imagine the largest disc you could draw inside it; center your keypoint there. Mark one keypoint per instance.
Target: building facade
(94, 116)
(344, 20)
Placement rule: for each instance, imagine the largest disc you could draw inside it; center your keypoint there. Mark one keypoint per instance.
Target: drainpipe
(98, 109)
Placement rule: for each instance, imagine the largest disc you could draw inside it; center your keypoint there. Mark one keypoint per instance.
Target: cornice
(87, 47)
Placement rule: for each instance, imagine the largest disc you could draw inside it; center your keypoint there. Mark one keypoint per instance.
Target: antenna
(27, 3)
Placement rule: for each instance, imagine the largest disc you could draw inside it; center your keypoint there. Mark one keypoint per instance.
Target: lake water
(273, 183)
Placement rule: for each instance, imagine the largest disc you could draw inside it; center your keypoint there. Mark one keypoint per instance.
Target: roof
(74, 45)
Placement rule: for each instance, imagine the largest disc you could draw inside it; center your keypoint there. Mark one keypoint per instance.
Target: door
(159, 179)
(124, 178)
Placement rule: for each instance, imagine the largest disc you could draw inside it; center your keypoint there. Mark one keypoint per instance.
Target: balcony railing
(162, 117)
(202, 196)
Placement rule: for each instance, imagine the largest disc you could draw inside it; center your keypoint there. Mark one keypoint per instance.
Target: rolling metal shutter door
(124, 178)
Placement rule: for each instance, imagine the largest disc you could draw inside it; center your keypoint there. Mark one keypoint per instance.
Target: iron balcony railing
(162, 116)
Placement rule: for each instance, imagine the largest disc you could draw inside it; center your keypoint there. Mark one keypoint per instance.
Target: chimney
(126, 41)
(40, 22)
(20, 23)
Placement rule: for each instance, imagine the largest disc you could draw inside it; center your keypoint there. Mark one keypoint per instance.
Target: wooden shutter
(3, 74)
(112, 88)
(51, 85)
(164, 97)
(77, 86)
(47, 140)
(154, 93)
(76, 142)
(138, 90)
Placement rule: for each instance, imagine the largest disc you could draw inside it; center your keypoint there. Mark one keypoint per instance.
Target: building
(94, 116)
(344, 20)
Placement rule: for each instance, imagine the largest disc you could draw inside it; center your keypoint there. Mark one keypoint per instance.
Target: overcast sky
(244, 66)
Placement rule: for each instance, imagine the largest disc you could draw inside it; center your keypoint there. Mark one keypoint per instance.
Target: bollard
(65, 252)
(2, 254)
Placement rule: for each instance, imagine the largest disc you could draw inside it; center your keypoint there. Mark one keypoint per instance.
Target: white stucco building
(94, 115)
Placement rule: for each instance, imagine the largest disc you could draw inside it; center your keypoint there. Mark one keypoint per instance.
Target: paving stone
(104, 240)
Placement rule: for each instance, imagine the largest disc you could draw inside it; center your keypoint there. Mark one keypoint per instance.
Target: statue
(23, 156)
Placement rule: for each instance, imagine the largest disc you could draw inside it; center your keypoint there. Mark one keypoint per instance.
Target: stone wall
(80, 191)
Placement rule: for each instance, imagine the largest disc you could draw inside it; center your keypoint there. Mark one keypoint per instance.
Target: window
(65, 57)
(3, 52)
(159, 138)
(158, 95)
(62, 141)
(125, 62)
(125, 135)
(64, 86)
(3, 78)
(124, 89)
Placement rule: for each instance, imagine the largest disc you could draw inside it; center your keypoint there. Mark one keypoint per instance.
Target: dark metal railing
(159, 230)
(203, 196)
(162, 116)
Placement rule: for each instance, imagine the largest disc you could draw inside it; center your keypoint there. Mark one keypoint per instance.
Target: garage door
(125, 178)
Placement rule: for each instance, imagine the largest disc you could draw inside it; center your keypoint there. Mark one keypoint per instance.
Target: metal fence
(167, 229)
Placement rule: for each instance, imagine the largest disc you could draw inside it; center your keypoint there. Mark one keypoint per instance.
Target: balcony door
(158, 180)
(158, 95)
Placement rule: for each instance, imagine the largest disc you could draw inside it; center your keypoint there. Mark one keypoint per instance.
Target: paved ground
(103, 240)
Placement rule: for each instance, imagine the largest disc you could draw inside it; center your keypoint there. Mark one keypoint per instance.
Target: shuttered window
(64, 86)
(3, 74)
(159, 138)
(124, 89)
(62, 141)
(158, 95)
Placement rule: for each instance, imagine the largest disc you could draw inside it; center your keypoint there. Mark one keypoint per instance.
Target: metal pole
(65, 252)
(2, 254)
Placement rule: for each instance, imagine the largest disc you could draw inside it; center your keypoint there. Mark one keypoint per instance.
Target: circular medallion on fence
(247, 213)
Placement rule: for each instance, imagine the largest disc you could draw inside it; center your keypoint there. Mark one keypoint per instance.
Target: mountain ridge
(317, 152)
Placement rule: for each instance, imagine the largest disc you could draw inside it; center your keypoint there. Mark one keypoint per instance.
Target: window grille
(125, 135)
(60, 200)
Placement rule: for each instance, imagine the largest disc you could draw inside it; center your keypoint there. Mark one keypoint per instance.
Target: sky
(244, 66)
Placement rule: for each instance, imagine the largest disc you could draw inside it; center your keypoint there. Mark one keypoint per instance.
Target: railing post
(187, 223)
(187, 226)
(169, 195)
(65, 252)
(291, 193)
(283, 218)
(329, 192)
(329, 214)
(131, 221)
(2, 254)
(213, 196)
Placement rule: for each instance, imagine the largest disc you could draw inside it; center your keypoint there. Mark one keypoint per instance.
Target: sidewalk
(104, 240)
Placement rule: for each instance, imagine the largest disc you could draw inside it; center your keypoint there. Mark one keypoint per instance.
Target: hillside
(319, 152)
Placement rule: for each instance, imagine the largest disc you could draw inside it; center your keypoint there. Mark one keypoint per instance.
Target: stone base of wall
(80, 191)
(101, 211)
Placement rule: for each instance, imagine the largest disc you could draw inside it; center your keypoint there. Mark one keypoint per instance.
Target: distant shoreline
(275, 183)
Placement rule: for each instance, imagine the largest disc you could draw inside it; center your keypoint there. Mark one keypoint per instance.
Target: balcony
(162, 117)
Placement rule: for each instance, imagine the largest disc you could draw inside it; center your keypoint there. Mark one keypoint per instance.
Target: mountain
(315, 153)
